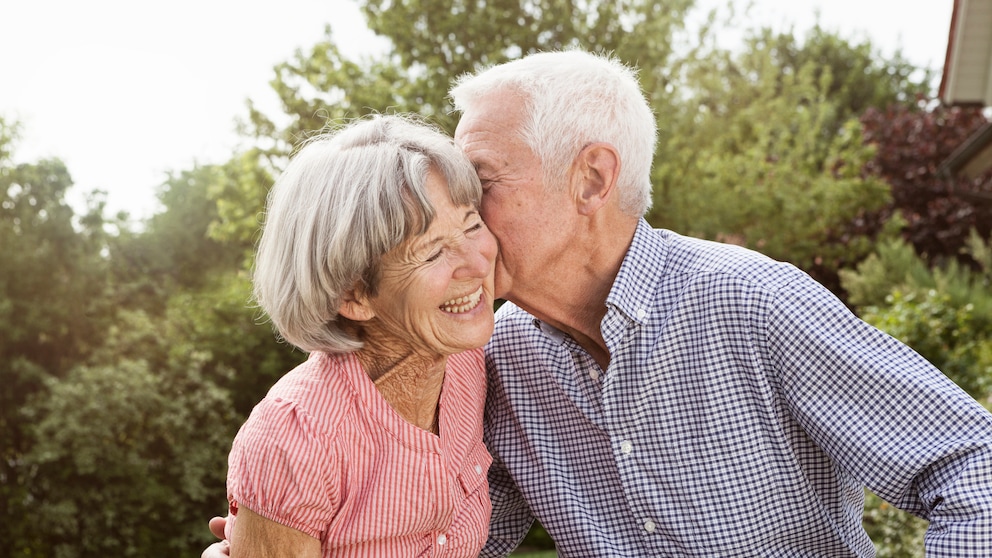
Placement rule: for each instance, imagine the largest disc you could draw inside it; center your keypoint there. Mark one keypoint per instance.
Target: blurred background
(138, 142)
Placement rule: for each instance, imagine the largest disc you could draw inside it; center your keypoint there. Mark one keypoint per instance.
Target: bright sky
(124, 91)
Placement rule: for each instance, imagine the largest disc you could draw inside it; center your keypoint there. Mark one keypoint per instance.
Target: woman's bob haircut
(346, 198)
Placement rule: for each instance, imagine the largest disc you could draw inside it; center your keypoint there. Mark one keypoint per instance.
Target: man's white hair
(574, 98)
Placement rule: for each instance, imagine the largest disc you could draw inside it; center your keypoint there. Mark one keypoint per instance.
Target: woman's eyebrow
(438, 239)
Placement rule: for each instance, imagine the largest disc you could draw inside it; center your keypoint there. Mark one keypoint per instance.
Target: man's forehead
(464, 122)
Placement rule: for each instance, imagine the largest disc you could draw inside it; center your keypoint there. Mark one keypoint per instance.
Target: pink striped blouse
(324, 453)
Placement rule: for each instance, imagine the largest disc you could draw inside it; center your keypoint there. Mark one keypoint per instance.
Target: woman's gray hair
(346, 198)
(574, 98)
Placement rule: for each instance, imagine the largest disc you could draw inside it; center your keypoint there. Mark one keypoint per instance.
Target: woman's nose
(478, 255)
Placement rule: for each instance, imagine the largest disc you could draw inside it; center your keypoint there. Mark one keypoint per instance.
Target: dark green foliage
(944, 313)
(53, 310)
(128, 362)
(126, 460)
(911, 142)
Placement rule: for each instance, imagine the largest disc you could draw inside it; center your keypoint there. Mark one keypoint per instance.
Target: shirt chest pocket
(474, 470)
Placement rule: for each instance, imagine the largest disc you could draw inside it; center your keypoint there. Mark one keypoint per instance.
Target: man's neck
(573, 298)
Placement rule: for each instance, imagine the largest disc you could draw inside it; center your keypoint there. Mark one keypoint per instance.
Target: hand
(220, 549)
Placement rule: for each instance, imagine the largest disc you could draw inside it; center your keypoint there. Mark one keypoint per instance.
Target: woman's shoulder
(316, 391)
(468, 359)
(468, 370)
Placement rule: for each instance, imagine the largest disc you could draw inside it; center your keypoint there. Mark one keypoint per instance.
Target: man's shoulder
(509, 311)
(698, 257)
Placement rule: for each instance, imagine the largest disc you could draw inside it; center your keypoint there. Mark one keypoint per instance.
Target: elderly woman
(375, 261)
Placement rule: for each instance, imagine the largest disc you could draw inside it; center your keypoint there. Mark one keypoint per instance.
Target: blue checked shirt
(743, 412)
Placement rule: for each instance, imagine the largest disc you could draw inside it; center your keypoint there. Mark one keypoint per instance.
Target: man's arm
(888, 417)
(511, 517)
(959, 490)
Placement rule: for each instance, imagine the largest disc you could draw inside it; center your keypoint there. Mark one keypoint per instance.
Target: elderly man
(657, 395)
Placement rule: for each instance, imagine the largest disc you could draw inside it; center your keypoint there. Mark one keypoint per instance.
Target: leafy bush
(952, 337)
(944, 313)
(128, 460)
(896, 534)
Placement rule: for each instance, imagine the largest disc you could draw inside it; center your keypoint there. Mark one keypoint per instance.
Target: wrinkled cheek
(501, 281)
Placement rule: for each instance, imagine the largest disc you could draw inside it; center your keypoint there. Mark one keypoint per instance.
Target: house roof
(971, 158)
(967, 80)
(967, 75)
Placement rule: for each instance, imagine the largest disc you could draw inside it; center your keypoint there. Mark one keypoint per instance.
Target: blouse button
(441, 539)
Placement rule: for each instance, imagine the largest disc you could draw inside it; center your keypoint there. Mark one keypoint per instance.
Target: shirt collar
(633, 291)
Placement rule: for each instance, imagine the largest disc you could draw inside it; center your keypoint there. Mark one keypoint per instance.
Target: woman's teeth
(463, 303)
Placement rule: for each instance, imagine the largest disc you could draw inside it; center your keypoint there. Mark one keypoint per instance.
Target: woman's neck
(410, 382)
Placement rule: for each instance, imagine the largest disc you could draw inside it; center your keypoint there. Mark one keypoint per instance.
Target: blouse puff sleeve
(281, 468)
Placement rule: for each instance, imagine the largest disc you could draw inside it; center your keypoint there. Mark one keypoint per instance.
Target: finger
(217, 550)
(217, 526)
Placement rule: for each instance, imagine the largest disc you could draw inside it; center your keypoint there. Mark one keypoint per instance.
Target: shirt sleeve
(280, 468)
(886, 416)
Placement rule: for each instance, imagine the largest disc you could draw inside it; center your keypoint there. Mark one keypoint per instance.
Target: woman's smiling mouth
(462, 304)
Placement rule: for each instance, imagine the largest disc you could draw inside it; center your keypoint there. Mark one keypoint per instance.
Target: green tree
(240, 350)
(435, 41)
(764, 148)
(173, 251)
(52, 309)
(189, 267)
(130, 454)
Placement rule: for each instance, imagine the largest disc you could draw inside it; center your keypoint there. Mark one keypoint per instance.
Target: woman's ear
(355, 305)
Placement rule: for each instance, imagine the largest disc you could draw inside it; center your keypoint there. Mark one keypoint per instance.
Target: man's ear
(594, 176)
(355, 306)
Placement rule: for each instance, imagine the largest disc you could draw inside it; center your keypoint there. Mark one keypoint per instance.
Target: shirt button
(641, 313)
(441, 539)
(649, 526)
(594, 374)
(626, 447)
(478, 469)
